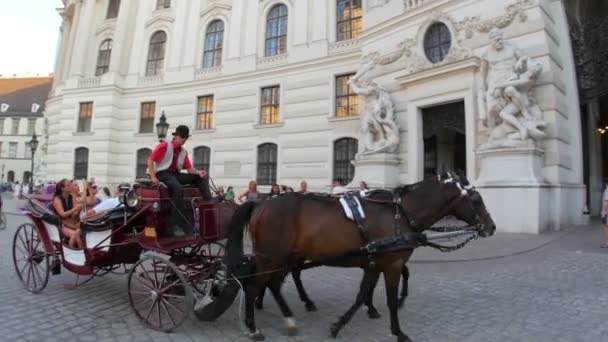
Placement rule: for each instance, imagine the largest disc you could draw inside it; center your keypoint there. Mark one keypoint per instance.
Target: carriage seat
(149, 193)
(105, 220)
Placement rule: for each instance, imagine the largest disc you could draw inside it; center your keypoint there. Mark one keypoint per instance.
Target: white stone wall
(306, 75)
(22, 162)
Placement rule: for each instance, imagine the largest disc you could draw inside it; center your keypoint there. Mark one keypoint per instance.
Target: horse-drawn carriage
(167, 275)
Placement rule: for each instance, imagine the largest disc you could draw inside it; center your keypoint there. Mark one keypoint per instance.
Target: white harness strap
(348, 212)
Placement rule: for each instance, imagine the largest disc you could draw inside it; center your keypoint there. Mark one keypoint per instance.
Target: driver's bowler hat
(182, 131)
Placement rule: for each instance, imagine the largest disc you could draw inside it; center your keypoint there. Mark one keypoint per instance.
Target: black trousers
(175, 181)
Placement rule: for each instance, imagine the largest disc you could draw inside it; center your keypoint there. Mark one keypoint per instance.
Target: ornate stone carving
(380, 132)
(511, 115)
(515, 10)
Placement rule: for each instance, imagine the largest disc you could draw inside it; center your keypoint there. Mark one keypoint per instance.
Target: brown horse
(306, 227)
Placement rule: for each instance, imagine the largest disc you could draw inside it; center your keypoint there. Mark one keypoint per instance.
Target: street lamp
(162, 127)
(33, 147)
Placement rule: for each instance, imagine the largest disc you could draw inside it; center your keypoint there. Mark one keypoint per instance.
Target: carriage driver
(165, 165)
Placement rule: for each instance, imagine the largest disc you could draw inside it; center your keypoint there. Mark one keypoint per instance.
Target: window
(267, 164)
(276, 31)
(146, 122)
(160, 4)
(31, 126)
(142, 163)
(12, 150)
(10, 177)
(214, 41)
(15, 127)
(202, 155)
(28, 150)
(1, 126)
(204, 115)
(437, 42)
(0, 149)
(270, 108)
(348, 19)
(84, 116)
(81, 163)
(26, 177)
(113, 7)
(156, 53)
(347, 102)
(345, 150)
(103, 57)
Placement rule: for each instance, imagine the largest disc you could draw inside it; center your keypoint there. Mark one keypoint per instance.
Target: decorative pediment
(515, 10)
(158, 19)
(215, 8)
(106, 28)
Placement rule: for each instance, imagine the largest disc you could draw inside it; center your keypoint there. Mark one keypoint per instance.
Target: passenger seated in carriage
(68, 208)
(109, 203)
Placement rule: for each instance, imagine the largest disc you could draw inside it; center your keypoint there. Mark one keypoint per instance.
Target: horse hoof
(257, 336)
(311, 307)
(334, 330)
(291, 327)
(373, 314)
(403, 338)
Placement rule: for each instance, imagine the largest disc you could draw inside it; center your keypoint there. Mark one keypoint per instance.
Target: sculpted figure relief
(508, 78)
(380, 132)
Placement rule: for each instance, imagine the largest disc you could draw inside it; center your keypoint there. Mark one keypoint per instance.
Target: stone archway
(444, 139)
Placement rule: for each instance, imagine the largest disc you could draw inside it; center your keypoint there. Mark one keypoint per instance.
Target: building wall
(22, 162)
(306, 75)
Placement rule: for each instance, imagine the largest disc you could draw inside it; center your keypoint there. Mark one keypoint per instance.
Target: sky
(29, 32)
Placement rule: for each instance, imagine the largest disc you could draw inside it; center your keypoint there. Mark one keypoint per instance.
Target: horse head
(470, 207)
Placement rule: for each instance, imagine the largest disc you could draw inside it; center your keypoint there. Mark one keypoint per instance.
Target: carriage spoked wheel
(159, 293)
(30, 259)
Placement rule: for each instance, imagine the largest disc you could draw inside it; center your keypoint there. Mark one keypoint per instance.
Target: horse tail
(234, 247)
(405, 274)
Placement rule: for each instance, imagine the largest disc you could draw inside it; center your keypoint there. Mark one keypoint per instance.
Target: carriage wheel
(30, 259)
(216, 293)
(159, 293)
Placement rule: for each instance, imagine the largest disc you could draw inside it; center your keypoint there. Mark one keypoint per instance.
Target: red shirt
(159, 154)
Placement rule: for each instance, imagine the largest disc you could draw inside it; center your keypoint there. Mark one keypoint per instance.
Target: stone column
(83, 28)
(595, 157)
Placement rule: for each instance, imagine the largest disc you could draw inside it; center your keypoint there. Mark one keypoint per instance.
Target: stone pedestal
(513, 189)
(378, 170)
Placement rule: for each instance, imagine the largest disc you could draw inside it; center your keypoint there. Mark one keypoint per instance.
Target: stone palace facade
(285, 90)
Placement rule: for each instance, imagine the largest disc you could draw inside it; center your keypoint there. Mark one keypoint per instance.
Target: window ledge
(204, 130)
(343, 118)
(139, 134)
(260, 126)
(82, 134)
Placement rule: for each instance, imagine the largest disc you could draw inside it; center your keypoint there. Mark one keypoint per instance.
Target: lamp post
(33, 147)
(162, 127)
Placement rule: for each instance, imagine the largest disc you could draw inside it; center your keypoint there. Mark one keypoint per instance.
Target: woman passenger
(252, 193)
(68, 209)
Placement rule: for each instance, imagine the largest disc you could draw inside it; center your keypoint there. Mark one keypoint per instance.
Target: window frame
(144, 116)
(267, 166)
(13, 148)
(438, 29)
(104, 54)
(85, 121)
(351, 146)
(157, 49)
(31, 126)
(205, 115)
(274, 106)
(113, 9)
(280, 39)
(81, 165)
(350, 95)
(163, 4)
(139, 165)
(216, 52)
(352, 34)
(205, 164)
(15, 126)
(2, 123)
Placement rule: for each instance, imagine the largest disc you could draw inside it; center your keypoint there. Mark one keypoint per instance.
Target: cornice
(215, 7)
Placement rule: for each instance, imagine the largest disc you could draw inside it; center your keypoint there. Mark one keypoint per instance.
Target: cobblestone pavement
(554, 293)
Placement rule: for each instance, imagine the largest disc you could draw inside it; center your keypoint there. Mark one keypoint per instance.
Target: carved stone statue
(380, 132)
(512, 115)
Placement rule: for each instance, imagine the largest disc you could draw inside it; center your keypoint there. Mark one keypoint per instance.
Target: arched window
(267, 164)
(156, 53)
(202, 156)
(437, 42)
(142, 162)
(10, 177)
(103, 57)
(214, 42)
(81, 163)
(26, 177)
(113, 7)
(276, 31)
(345, 150)
(160, 4)
(348, 19)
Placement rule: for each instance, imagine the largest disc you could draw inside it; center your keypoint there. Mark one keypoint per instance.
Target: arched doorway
(10, 177)
(444, 139)
(27, 177)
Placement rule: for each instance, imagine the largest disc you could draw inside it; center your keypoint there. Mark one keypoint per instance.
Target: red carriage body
(190, 266)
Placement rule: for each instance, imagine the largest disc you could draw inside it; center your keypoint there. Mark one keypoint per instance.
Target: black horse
(302, 228)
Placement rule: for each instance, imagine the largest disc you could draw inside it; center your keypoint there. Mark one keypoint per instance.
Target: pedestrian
(275, 191)
(303, 187)
(363, 189)
(165, 164)
(252, 193)
(605, 217)
(337, 188)
(229, 194)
